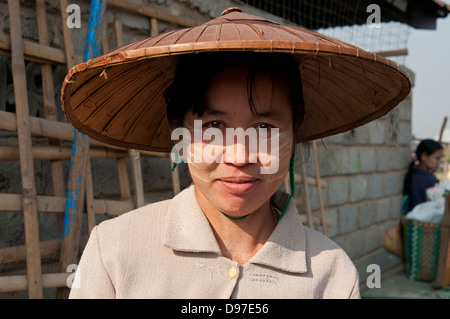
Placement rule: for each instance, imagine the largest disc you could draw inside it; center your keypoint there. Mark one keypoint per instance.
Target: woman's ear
(423, 157)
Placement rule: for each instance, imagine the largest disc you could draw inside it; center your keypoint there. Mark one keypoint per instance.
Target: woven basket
(421, 249)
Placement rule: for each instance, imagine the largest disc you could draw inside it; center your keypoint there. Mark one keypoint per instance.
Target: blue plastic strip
(92, 50)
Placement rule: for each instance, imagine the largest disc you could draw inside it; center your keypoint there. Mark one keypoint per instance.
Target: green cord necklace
(234, 218)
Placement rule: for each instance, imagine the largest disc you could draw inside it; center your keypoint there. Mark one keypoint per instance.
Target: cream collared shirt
(168, 250)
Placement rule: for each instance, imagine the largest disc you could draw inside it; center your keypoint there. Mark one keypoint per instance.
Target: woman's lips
(238, 186)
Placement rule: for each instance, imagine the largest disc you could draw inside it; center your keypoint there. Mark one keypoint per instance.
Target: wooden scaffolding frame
(25, 125)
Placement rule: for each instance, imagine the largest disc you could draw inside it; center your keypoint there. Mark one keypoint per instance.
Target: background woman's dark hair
(194, 72)
(426, 146)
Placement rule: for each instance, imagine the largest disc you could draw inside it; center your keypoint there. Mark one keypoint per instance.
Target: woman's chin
(241, 199)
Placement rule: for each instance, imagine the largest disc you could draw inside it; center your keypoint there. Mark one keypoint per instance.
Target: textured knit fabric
(168, 250)
(421, 180)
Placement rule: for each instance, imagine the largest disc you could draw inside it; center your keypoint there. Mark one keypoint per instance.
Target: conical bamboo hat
(118, 98)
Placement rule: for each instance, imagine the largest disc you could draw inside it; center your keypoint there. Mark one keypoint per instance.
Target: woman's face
(431, 162)
(240, 177)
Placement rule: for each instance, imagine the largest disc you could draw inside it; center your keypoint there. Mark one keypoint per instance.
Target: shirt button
(232, 273)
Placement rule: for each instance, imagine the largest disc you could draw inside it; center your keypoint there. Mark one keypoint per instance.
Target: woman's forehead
(273, 113)
(236, 87)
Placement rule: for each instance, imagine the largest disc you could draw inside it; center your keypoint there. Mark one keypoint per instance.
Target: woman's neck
(422, 166)
(239, 240)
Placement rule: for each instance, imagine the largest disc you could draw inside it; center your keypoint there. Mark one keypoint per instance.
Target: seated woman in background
(420, 174)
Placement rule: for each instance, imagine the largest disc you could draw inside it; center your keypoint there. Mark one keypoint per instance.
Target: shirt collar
(187, 229)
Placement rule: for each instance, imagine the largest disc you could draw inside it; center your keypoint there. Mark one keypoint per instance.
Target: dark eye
(213, 124)
(265, 126)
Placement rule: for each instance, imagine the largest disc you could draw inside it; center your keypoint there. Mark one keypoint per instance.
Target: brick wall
(364, 169)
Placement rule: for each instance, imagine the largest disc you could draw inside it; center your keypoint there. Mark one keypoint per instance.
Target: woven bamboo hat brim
(118, 98)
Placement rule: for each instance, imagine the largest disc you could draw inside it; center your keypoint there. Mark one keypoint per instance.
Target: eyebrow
(208, 111)
(267, 114)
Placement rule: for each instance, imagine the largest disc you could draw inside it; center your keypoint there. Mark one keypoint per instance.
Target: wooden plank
(31, 223)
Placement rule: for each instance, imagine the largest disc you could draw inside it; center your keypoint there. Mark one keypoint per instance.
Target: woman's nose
(240, 154)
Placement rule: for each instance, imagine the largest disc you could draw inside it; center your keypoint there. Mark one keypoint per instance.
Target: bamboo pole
(49, 204)
(74, 207)
(443, 263)
(306, 196)
(124, 182)
(153, 13)
(137, 178)
(105, 39)
(38, 126)
(311, 181)
(62, 131)
(31, 224)
(52, 153)
(50, 110)
(80, 144)
(444, 124)
(319, 189)
(48, 247)
(67, 36)
(154, 27)
(134, 155)
(90, 205)
(393, 52)
(52, 204)
(37, 52)
(19, 283)
(118, 33)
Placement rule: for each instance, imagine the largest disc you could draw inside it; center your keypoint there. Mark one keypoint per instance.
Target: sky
(429, 58)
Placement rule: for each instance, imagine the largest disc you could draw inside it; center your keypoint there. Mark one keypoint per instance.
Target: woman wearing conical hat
(234, 98)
